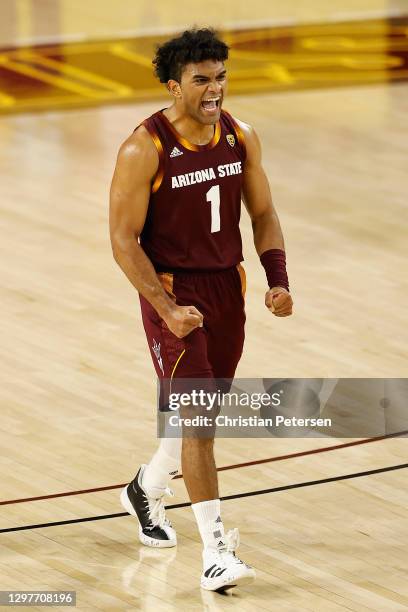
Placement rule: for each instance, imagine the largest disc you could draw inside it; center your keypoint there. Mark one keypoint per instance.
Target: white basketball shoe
(154, 528)
(222, 568)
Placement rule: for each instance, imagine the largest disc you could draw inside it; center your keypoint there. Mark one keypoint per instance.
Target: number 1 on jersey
(213, 196)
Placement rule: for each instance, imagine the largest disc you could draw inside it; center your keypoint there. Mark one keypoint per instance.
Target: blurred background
(26, 22)
(63, 53)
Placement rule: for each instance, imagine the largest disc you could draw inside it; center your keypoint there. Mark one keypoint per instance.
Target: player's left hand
(279, 301)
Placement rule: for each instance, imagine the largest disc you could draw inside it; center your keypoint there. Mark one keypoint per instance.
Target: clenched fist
(279, 301)
(181, 320)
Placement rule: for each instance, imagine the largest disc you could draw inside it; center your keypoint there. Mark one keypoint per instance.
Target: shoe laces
(231, 544)
(232, 540)
(227, 552)
(157, 511)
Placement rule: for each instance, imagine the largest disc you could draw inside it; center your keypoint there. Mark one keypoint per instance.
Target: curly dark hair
(192, 46)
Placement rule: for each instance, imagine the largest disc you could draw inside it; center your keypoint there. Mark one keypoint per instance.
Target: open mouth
(211, 105)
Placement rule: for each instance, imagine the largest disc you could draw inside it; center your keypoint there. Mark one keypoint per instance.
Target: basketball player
(174, 220)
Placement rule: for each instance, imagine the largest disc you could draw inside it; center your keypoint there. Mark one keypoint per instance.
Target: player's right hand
(183, 319)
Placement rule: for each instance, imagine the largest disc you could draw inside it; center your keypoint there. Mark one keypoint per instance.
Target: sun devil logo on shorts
(156, 351)
(230, 139)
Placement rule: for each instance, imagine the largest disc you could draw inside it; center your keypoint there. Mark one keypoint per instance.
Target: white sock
(163, 466)
(207, 514)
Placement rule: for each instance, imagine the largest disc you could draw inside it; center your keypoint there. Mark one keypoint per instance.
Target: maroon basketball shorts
(211, 351)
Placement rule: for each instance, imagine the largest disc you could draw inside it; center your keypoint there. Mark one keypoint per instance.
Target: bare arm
(265, 222)
(257, 197)
(135, 169)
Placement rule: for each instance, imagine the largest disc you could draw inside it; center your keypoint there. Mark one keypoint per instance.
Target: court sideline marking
(225, 498)
(220, 469)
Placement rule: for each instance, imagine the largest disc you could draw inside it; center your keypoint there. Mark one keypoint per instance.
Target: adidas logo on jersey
(176, 152)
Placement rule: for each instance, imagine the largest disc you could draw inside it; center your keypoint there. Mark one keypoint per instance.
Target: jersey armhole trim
(157, 181)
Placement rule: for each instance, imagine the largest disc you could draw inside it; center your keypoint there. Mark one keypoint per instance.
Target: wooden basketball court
(78, 388)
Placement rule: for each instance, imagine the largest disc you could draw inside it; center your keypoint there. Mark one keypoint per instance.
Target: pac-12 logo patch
(230, 139)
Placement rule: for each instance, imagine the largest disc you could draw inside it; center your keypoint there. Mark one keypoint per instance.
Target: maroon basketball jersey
(193, 217)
